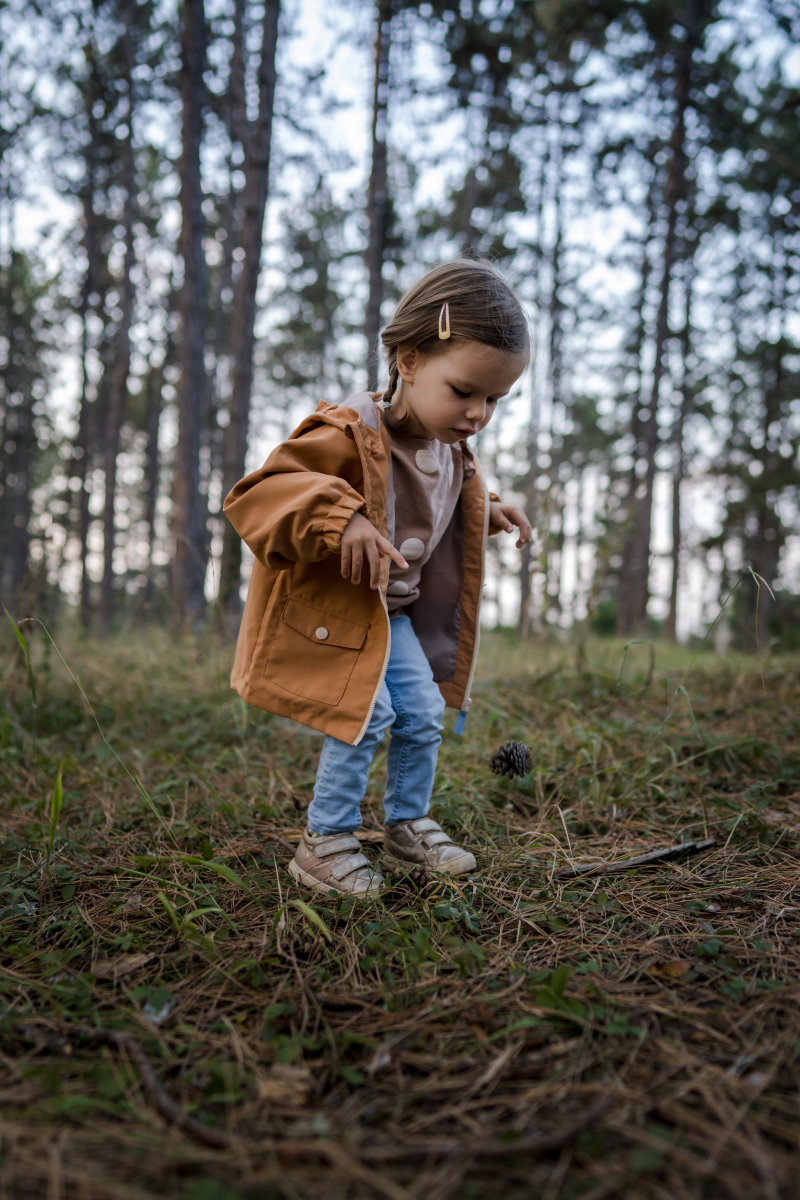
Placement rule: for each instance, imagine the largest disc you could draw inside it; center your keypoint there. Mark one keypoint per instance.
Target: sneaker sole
(300, 876)
(467, 860)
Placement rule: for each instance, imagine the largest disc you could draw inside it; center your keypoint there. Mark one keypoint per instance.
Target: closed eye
(461, 395)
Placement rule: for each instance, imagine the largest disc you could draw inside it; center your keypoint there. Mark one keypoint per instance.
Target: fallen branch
(666, 854)
(287, 1151)
(489, 1147)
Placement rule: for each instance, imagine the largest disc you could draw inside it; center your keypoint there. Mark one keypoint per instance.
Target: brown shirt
(428, 476)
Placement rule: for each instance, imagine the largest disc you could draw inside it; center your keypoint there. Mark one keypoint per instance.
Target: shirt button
(321, 633)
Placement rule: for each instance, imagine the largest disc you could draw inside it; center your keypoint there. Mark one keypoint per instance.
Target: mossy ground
(454, 1015)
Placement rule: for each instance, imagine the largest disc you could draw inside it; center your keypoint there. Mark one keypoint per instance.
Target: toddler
(369, 527)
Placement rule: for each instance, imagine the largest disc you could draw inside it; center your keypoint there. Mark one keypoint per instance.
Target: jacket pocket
(314, 651)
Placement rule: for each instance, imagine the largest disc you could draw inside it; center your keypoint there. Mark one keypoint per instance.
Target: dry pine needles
(180, 1021)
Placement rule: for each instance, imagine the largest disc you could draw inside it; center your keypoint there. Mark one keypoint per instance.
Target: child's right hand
(361, 540)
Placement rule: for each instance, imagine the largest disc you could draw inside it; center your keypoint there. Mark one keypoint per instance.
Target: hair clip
(444, 322)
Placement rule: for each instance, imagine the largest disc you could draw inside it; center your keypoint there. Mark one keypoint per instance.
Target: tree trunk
(16, 432)
(155, 388)
(377, 194)
(118, 392)
(635, 572)
(221, 285)
(528, 483)
(638, 341)
(254, 203)
(469, 203)
(82, 444)
(82, 451)
(557, 496)
(679, 463)
(191, 553)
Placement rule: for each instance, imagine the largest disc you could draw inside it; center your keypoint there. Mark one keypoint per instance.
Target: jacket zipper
(383, 669)
(374, 701)
(467, 701)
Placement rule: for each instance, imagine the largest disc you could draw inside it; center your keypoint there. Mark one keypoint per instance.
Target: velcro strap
(348, 865)
(337, 845)
(436, 839)
(423, 825)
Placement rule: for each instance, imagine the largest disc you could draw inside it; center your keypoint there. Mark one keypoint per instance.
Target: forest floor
(179, 1021)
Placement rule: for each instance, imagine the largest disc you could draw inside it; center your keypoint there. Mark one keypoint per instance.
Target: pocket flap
(324, 628)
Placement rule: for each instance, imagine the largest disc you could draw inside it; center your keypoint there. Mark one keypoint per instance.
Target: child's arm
(361, 541)
(506, 516)
(296, 507)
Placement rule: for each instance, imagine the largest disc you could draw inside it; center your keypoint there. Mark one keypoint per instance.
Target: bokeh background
(208, 208)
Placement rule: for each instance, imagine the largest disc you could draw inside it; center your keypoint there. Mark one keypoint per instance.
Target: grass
(434, 1042)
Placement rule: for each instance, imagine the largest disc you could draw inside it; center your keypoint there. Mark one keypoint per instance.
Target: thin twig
(288, 1151)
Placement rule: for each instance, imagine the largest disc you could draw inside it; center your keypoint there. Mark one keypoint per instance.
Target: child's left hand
(506, 516)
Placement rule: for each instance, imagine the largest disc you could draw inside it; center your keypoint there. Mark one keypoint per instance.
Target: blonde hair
(483, 307)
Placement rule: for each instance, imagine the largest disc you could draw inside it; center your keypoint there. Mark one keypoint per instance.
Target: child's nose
(476, 410)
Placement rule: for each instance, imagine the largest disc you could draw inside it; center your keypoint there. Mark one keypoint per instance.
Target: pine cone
(512, 759)
(396, 876)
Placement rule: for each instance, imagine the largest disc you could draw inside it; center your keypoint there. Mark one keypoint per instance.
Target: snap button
(321, 633)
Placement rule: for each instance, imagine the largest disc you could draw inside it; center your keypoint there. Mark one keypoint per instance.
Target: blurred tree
(256, 139)
(26, 314)
(677, 31)
(378, 205)
(307, 350)
(118, 383)
(189, 509)
(760, 205)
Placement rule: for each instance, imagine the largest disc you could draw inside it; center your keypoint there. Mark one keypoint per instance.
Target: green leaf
(471, 920)
(191, 917)
(24, 646)
(559, 979)
(709, 948)
(111, 1081)
(217, 868)
(281, 1008)
(574, 1007)
(227, 873)
(352, 1076)
(170, 907)
(151, 860)
(645, 1160)
(546, 998)
(683, 690)
(312, 916)
(55, 811)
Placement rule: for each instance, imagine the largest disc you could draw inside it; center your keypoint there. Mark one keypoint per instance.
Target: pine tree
(257, 143)
(378, 204)
(760, 203)
(189, 511)
(25, 353)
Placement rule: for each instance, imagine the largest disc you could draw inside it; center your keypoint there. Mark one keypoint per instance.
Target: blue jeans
(411, 704)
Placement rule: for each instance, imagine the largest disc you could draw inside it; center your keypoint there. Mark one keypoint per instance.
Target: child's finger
(387, 550)
(374, 564)
(524, 525)
(356, 563)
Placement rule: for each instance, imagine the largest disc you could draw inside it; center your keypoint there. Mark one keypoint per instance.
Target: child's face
(452, 395)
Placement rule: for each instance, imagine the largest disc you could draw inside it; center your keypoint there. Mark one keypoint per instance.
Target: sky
(338, 34)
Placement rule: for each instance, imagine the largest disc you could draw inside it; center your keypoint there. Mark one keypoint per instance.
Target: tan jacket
(313, 646)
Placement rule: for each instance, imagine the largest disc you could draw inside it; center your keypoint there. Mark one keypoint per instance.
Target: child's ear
(407, 362)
